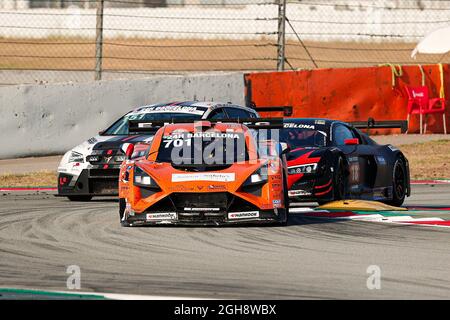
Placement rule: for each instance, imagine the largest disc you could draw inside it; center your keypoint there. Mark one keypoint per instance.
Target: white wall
(50, 119)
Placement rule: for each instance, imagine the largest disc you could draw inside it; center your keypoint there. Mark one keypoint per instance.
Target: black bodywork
(368, 170)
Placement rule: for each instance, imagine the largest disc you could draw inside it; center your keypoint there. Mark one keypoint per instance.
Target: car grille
(201, 200)
(106, 156)
(104, 186)
(223, 200)
(104, 173)
(303, 185)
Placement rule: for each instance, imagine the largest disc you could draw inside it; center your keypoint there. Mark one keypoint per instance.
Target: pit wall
(352, 94)
(51, 119)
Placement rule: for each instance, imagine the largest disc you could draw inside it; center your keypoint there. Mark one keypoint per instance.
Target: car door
(341, 133)
(375, 166)
(365, 165)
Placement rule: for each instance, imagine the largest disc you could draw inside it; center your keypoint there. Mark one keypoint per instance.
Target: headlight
(260, 176)
(304, 169)
(76, 157)
(141, 178)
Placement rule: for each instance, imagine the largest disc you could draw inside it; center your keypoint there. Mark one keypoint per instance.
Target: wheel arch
(399, 154)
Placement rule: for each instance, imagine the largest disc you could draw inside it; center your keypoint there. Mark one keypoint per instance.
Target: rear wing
(142, 126)
(287, 110)
(387, 124)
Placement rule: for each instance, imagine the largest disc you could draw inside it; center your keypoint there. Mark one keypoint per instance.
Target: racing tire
(286, 201)
(340, 180)
(80, 198)
(122, 205)
(398, 184)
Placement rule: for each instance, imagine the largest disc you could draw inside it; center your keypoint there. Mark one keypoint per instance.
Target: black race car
(332, 160)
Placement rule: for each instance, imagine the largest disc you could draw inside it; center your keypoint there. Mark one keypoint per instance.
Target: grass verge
(34, 179)
(428, 160)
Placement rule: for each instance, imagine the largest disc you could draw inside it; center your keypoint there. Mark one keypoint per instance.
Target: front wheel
(122, 205)
(340, 180)
(398, 184)
(286, 201)
(80, 198)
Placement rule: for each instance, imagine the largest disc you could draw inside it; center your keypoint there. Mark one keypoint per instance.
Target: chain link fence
(83, 40)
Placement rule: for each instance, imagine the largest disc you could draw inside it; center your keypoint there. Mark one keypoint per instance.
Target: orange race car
(203, 173)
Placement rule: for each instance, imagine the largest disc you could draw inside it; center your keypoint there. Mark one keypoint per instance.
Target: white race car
(92, 168)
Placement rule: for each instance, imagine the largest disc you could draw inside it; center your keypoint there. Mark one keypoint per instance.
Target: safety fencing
(82, 40)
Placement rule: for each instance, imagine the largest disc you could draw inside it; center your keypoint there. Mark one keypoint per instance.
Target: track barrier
(350, 94)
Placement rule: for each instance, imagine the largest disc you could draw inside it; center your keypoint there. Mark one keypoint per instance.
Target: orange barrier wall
(352, 94)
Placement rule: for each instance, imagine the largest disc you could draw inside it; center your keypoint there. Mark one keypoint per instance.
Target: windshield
(203, 148)
(303, 137)
(120, 127)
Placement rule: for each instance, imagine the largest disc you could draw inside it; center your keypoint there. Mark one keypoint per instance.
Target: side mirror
(101, 132)
(285, 148)
(127, 149)
(351, 142)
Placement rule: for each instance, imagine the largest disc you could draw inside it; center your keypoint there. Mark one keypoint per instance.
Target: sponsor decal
(354, 172)
(129, 212)
(203, 134)
(92, 140)
(276, 186)
(162, 216)
(381, 159)
(201, 209)
(296, 193)
(299, 126)
(222, 177)
(181, 188)
(217, 187)
(243, 215)
(392, 147)
(164, 109)
(277, 204)
(321, 122)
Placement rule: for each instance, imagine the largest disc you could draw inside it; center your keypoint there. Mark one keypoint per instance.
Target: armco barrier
(352, 94)
(50, 119)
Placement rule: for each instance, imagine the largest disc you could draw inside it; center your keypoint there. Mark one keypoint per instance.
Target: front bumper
(205, 219)
(91, 182)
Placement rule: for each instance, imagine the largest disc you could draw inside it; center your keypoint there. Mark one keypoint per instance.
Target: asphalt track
(41, 235)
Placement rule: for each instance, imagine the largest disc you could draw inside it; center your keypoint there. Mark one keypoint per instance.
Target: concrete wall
(50, 119)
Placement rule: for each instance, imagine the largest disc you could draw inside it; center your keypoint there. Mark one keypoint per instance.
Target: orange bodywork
(171, 180)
